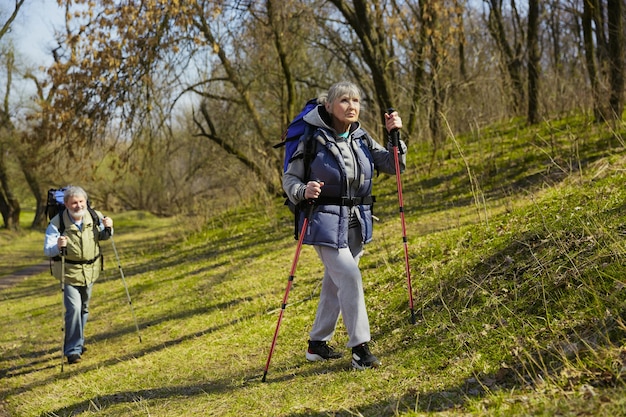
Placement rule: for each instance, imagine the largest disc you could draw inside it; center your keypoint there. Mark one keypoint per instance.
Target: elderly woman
(338, 179)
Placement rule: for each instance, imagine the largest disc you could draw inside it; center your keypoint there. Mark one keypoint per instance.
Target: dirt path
(10, 280)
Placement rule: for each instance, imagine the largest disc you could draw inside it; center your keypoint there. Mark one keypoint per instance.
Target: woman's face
(345, 110)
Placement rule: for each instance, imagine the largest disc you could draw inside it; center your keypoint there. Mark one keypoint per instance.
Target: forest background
(173, 106)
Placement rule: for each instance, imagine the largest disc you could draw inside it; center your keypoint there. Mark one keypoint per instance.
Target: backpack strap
(94, 217)
(96, 235)
(309, 149)
(61, 222)
(347, 201)
(307, 157)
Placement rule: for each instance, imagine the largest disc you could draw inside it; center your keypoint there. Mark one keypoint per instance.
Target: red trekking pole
(395, 139)
(292, 273)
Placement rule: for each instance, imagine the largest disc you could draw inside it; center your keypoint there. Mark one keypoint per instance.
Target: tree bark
(589, 48)
(615, 10)
(9, 204)
(371, 32)
(533, 61)
(6, 26)
(511, 52)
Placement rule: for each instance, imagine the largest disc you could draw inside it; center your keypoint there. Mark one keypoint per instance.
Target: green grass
(516, 240)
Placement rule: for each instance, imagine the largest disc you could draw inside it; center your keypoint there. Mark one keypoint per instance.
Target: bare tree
(510, 40)
(603, 34)
(238, 72)
(9, 204)
(617, 43)
(367, 21)
(534, 58)
(6, 25)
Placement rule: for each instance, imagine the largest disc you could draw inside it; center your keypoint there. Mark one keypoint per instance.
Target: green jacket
(83, 261)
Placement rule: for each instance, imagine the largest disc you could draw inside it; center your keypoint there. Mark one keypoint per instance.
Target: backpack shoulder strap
(61, 222)
(94, 216)
(96, 223)
(309, 149)
(366, 138)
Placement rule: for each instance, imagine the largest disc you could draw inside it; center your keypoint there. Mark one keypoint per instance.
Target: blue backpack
(298, 129)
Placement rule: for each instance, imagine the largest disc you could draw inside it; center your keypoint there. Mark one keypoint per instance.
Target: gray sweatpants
(342, 292)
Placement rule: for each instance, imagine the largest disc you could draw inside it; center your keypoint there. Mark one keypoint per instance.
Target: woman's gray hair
(74, 190)
(340, 89)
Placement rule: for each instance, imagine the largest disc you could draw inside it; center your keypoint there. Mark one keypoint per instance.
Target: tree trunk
(616, 45)
(371, 32)
(511, 52)
(533, 61)
(9, 205)
(275, 21)
(34, 185)
(462, 64)
(590, 62)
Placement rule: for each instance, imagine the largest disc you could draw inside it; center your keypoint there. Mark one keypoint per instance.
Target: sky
(32, 36)
(33, 29)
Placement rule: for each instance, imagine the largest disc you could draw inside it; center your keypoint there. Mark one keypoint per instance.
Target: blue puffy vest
(328, 225)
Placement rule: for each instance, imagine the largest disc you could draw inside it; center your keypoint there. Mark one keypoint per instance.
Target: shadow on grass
(221, 386)
(445, 399)
(43, 356)
(233, 250)
(38, 358)
(528, 170)
(103, 401)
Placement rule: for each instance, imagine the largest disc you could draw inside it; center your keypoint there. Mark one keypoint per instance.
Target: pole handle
(394, 135)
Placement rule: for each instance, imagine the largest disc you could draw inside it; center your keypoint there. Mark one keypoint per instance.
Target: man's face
(76, 206)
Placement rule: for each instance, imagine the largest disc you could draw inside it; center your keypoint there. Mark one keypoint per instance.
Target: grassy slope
(516, 238)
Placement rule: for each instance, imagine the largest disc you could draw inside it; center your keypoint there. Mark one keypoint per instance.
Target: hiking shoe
(319, 351)
(362, 358)
(73, 358)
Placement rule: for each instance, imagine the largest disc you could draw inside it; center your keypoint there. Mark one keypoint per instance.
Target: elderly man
(74, 235)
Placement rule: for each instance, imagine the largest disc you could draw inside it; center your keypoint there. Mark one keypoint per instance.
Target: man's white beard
(77, 215)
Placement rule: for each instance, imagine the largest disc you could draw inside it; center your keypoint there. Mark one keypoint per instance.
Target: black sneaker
(73, 358)
(362, 358)
(319, 351)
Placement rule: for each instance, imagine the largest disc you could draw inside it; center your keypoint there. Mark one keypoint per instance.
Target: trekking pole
(292, 273)
(63, 251)
(130, 303)
(395, 139)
